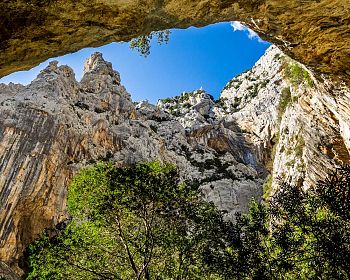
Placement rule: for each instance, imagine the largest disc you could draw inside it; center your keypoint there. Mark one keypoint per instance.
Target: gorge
(268, 125)
(283, 120)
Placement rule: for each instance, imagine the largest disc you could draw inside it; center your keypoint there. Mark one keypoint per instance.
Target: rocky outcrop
(56, 125)
(313, 134)
(280, 118)
(315, 33)
(274, 122)
(7, 273)
(44, 133)
(298, 126)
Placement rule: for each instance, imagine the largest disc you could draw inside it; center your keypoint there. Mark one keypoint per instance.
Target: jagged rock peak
(189, 108)
(97, 65)
(53, 71)
(99, 74)
(11, 88)
(93, 61)
(186, 99)
(192, 96)
(53, 65)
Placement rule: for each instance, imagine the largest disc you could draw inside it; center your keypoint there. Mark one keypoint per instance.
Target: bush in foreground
(138, 222)
(141, 222)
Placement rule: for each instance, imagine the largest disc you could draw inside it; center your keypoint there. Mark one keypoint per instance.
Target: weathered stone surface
(56, 125)
(313, 135)
(315, 33)
(301, 141)
(44, 134)
(7, 273)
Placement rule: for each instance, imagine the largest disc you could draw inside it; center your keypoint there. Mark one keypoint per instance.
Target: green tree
(311, 229)
(143, 43)
(138, 222)
(298, 235)
(141, 222)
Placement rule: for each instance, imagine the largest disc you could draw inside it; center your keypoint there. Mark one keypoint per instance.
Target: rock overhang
(316, 33)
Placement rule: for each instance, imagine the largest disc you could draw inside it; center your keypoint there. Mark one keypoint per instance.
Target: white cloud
(237, 26)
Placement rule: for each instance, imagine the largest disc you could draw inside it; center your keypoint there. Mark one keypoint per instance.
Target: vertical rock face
(277, 117)
(244, 119)
(313, 134)
(270, 121)
(56, 125)
(298, 125)
(44, 134)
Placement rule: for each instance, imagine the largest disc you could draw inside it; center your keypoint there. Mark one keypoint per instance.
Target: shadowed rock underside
(315, 33)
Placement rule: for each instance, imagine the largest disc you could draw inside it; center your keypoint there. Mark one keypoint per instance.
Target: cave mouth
(194, 58)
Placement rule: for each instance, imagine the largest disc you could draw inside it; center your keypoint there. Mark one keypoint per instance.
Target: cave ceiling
(314, 32)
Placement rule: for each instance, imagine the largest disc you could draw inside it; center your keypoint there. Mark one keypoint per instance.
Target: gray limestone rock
(264, 124)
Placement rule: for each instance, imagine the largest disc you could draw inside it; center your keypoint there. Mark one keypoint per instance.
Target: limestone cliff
(56, 125)
(315, 33)
(274, 121)
(293, 126)
(313, 136)
(302, 123)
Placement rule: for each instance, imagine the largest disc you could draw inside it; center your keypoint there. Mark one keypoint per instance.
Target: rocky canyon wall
(56, 125)
(269, 125)
(274, 122)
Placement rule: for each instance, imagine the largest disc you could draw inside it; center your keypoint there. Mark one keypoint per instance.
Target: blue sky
(196, 57)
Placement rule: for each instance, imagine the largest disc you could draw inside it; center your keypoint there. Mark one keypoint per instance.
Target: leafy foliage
(285, 99)
(267, 187)
(141, 222)
(298, 75)
(299, 235)
(137, 222)
(143, 43)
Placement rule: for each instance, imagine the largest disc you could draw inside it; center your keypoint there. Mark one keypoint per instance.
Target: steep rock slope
(294, 127)
(275, 121)
(313, 135)
(56, 125)
(302, 123)
(244, 118)
(315, 33)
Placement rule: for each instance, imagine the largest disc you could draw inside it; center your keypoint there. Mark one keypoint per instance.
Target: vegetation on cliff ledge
(297, 74)
(141, 222)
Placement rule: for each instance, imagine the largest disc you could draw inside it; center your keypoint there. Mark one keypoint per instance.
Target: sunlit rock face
(315, 33)
(290, 126)
(56, 125)
(313, 134)
(46, 130)
(302, 123)
(264, 124)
